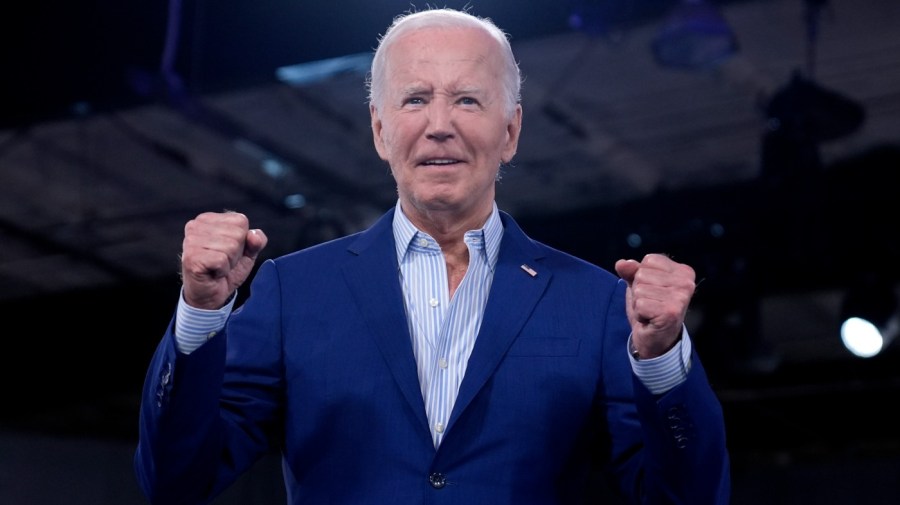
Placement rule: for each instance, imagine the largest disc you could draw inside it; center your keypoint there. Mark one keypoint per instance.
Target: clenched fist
(218, 254)
(656, 300)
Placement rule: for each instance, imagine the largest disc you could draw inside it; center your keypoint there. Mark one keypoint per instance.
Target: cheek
(391, 147)
(392, 139)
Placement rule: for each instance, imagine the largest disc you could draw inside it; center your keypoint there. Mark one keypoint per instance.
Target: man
(441, 356)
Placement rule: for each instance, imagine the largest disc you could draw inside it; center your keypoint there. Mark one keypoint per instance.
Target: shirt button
(423, 242)
(437, 480)
(442, 362)
(433, 302)
(439, 427)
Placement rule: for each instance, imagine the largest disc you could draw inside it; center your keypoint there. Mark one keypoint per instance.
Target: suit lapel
(514, 293)
(373, 280)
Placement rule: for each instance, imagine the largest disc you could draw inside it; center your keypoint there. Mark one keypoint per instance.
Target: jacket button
(437, 480)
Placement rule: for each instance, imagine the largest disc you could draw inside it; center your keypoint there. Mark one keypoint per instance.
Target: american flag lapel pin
(530, 271)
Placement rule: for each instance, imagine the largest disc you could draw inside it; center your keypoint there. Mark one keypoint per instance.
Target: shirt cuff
(662, 373)
(193, 326)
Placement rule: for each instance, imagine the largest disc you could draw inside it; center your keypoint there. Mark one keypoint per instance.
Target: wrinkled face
(444, 125)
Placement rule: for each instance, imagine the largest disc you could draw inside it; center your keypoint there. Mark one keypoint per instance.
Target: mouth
(440, 162)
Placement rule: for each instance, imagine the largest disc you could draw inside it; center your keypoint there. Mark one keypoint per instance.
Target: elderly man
(440, 356)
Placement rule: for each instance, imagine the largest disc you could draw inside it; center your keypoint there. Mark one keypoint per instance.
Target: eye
(414, 100)
(467, 100)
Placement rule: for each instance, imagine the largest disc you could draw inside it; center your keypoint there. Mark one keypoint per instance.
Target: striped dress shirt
(443, 329)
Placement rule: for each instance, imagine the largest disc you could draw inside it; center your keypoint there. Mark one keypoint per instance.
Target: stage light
(695, 35)
(803, 109)
(870, 317)
(800, 116)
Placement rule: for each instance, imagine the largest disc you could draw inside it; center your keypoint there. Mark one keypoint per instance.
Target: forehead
(443, 49)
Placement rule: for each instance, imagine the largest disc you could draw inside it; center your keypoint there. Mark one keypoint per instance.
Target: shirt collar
(405, 234)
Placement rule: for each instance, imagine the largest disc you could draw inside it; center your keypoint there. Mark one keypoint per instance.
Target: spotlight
(870, 317)
(695, 35)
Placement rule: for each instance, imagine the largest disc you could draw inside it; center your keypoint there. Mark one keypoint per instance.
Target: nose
(440, 121)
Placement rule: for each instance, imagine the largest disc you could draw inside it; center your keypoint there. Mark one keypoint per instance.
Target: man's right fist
(218, 254)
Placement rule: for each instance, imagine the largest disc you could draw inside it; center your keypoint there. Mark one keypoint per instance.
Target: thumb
(626, 269)
(255, 243)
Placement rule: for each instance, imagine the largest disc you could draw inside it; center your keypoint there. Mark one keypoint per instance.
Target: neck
(448, 228)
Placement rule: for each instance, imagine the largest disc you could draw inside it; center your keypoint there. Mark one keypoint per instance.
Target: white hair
(443, 18)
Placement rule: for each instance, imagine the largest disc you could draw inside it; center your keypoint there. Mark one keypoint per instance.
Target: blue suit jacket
(318, 363)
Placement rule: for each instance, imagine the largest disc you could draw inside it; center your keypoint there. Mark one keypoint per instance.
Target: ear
(377, 131)
(513, 129)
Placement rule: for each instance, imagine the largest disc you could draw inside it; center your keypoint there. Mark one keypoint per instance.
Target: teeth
(439, 162)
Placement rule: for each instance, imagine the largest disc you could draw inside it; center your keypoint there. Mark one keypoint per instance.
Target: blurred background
(757, 140)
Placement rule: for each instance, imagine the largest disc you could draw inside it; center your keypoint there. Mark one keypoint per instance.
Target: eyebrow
(427, 90)
(414, 90)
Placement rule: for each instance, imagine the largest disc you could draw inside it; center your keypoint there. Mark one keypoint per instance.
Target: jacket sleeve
(669, 448)
(207, 417)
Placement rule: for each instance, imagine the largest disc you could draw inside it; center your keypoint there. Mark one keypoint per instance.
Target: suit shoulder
(327, 251)
(562, 260)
